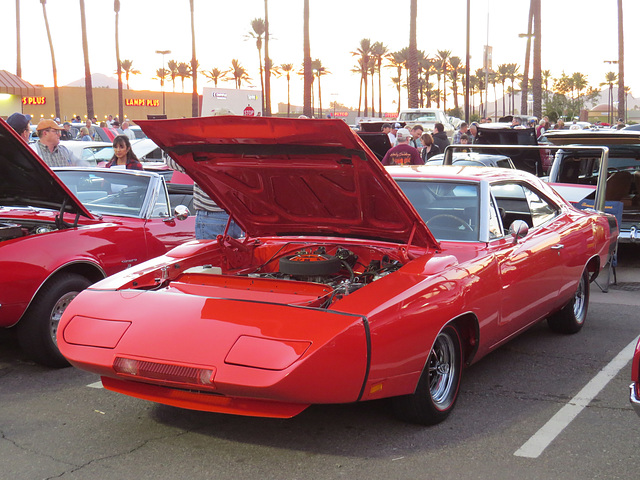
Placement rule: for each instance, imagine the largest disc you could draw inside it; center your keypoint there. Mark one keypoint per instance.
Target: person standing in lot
(123, 155)
(21, 123)
(49, 148)
(127, 131)
(403, 153)
(429, 148)
(440, 137)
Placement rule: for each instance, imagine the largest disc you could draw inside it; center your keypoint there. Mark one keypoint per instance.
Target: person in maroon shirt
(403, 153)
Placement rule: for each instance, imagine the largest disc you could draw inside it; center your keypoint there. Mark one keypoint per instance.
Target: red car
(634, 397)
(62, 231)
(353, 282)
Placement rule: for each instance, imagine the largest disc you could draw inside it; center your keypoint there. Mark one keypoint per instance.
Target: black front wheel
(38, 328)
(437, 389)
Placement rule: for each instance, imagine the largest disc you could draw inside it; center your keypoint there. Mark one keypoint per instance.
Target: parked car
(502, 134)
(62, 231)
(87, 151)
(427, 117)
(473, 159)
(353, 282)
(634, 396)
(575, 173)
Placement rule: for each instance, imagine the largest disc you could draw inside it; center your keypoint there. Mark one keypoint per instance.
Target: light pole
(163, 53)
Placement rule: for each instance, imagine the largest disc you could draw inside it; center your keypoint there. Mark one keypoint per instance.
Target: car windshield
(420, 116)
(108, 193)
(450, 209)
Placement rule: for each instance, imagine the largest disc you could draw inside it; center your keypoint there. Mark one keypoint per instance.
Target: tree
(214, 75)
(513, 76)
(503, 76)
(413, 55)
(287, 68)
(398, 60)
(116, 8)
(257, 25)
(184, 71)
(239, 73)
(162, 74)
(319, 71)
(609, 79)
(536, 84)
(127, 66)
(306, 68)
(364, 54)
(456, 67)
(88, 85)
(443, 56)
(56, 93)
(195, 110)
(173, 72)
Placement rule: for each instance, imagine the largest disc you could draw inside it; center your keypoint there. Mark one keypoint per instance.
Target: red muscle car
(62, 231)
(353, 282)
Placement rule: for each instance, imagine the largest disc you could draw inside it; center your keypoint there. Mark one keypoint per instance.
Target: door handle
(558, 246)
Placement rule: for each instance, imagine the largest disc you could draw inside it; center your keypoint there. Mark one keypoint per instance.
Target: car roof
(592, 137)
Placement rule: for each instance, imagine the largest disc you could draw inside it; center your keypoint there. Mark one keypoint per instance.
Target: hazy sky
(578, 36)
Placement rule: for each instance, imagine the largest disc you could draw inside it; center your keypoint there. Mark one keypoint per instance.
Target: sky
(578, 36)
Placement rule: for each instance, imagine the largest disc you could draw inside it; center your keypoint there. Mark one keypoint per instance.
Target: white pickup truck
(427, 117)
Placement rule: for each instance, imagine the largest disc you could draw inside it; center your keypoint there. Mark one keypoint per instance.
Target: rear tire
(572, 316)
(38, 328)
(437, 389)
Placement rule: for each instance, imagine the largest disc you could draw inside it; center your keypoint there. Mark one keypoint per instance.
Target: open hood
(279, 176)
(26, 181)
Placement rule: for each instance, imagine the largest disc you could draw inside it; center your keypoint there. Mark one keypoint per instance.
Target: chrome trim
(633, 398)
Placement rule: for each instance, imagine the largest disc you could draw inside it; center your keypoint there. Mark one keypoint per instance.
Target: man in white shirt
(127, 131)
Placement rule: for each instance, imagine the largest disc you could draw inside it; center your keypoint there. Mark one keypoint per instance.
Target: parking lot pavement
(626, 289)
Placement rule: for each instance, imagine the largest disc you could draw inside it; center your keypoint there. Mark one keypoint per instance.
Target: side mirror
(518, 229)
(181, 212)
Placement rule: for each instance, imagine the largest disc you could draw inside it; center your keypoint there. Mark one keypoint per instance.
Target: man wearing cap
(66, 133)
(392, 134)
(21, 124)
(403, 153)
(49, 148)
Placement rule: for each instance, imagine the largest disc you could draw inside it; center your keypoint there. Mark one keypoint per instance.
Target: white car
(427, 117)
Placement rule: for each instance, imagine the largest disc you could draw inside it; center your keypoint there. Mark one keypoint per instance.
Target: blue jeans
(211, 224)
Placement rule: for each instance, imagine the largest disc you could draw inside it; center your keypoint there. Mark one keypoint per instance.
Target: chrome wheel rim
(442, 371)
(580, 302)
(56, 314)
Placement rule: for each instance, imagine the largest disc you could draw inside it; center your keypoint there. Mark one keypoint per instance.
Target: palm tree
(56, 93)
(513, 76)
(306, 68)
(364, 54)
(18, 54)
(88, 86)
(319, 71)
(609, 79)
(184, 71)
(116, 8)
(503, 76)
(127, 66)
(359, 70)
(456, 67)
(287, 68)
(546, 75)
(379, 51)
(428, 67)
(162, 74)
(239, 73)
(257, 25)
(525, 83)
(443, 56)
(214, 75)
(398, 60)
(173, 72)
(194, 67)
(536, 84)
(413, 55)
(480, 76)
(622, 109)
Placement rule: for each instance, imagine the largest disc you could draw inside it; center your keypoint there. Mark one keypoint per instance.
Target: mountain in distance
(98, 80)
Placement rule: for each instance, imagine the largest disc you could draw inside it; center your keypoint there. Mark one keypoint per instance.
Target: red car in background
(353, 282)
(60, 232)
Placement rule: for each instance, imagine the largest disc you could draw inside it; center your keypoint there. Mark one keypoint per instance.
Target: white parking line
(534, 447)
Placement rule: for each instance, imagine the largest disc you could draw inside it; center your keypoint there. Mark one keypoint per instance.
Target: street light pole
(163, 53)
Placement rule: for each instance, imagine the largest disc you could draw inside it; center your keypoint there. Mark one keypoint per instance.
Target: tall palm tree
(359, 70)
(609, 79)
(267, 63)
(162, 74)
(127, 67)
(546, 75)
(173, 72)
(413, 55)
(364, 57)
(319, 71)
(194, 67)
(88, 85)
(428, 68)
(525, 83)
(56, 93)
(456, 67)
(184, 71)
(536, 84)
(306, 68)
(622, 108)
(513, 76)
(443, 56)
(239, 73)
(116, 8)
(257, 25)
(480, 76)
(503, 76)
(398, 60)
(214, 75)
(287, 68)
(18, 54)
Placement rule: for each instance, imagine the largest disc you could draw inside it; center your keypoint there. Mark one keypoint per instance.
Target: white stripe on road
(534, 447)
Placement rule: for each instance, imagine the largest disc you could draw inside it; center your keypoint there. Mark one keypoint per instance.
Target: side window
(161, 206)
(541, 210)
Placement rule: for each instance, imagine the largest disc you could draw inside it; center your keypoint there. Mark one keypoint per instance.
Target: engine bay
(9, 231)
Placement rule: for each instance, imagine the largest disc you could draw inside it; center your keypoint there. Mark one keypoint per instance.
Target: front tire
(38, 328)
(572, 316)
(437, 389)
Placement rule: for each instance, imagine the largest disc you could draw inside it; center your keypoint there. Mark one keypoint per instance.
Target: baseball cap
(48, 123)
(403, 133)
(397, 125)
(19, 121)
